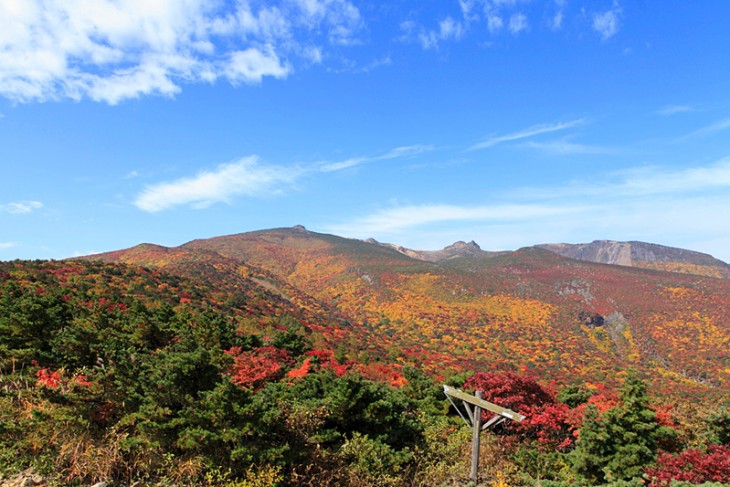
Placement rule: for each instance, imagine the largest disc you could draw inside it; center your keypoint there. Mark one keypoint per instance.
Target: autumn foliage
(694, 466)
(547, 421)
(292, 358)
(253, 368)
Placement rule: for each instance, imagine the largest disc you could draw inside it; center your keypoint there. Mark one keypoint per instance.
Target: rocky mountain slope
(643, 255)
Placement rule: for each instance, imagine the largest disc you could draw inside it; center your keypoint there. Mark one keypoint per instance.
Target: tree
(620, 443)
(574, 395)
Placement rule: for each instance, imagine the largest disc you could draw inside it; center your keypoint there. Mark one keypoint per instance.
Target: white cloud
(340, 16)
(448, 29)
(247, 177)
(673, 109)
(494, 23)
(607, 23)
(713, 128)
(652, 180)
(351, 66)
(21, 207)
(113, 50)
(566, 147)
(518, 23)
(405, 217)
(398, 152)
(527, 133)
(251, 65)
(8, 245)
(467, 10)
(640, 182)
(556, 22)
(244, 177)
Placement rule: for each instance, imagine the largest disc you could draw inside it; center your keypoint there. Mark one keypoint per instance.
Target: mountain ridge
(639, 254)
(643, 255)
(529, 309)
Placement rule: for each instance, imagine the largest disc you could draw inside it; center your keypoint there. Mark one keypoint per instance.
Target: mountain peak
(462, 246)
(457, 249)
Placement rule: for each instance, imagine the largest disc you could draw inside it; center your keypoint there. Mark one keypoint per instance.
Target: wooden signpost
(474, 406)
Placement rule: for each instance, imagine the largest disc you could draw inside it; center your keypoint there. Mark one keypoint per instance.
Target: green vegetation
(123, 374)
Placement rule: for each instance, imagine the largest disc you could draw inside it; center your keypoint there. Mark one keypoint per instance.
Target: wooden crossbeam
(499, 410)
(474, 406)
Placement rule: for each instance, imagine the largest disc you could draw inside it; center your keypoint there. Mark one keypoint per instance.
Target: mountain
(465, 309)
(253, 291)
(457, 249)
(643, 255)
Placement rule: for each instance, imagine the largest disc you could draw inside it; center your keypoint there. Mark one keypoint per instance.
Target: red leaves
(693, 465)
(546, 420)
(48, 378)
(53, 379)
(301, 371)
(383, 373)
(326, 360)
(255, 367)
(82, 381)
(510, 390)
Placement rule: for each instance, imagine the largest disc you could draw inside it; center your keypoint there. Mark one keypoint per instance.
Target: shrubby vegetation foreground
(126, 374)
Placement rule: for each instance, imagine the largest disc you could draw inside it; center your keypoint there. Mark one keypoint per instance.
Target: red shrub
(694, 466)
(546, 420)
(255, 367)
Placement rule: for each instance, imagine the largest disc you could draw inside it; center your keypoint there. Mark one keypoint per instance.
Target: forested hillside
(529, 310)
(288, 357)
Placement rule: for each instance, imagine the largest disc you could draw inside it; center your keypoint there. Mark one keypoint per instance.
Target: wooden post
(476, 435)
(474, 420)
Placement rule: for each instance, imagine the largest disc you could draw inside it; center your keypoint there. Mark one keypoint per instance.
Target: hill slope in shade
(250, 290)
(643, 255)
(529, 310)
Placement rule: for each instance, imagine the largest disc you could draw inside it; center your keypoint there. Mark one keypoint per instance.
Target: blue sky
(507, 122)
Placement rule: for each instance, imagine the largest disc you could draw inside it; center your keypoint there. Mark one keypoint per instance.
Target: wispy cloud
(245, 177)
(406, 217)
(643, 181)
(607, 23)
(448, 29)
(8, 245)
(518, 23)
(494, 23)
(566, 147)
(527, 133)
(713, 128)
(655, 180)
(656, 204)
(112, 51)
(556, 21)
(516, 17)
(673, 110)
(21, 207)
(398, 152)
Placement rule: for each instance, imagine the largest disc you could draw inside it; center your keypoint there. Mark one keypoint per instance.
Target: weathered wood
(493, 422)
(477, 401)
(458, 410)
(474, 406)
(475, 440)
